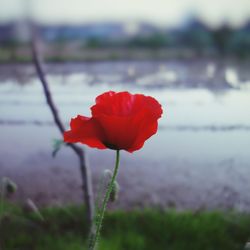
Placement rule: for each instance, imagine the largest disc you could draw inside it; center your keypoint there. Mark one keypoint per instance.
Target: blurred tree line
(194, 35)
(223, 40)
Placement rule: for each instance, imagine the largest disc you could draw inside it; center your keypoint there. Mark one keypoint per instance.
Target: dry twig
(85, 171)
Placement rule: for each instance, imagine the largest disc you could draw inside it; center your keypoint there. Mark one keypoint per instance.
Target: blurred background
(108, 30)
(192, 56)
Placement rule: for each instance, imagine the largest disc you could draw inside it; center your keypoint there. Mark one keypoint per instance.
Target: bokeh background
(192, 56)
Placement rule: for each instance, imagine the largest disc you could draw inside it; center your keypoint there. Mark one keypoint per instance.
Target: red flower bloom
(119, 121)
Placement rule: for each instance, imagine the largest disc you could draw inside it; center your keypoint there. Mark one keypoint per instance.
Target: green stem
(95, 237)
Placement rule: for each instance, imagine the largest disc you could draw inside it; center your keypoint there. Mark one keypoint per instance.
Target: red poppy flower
(119, 121)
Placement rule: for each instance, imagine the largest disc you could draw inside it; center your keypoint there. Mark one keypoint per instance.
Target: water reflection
(209, 74)
(205, 125)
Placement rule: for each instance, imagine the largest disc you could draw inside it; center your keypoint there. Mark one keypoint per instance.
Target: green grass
(65, 229)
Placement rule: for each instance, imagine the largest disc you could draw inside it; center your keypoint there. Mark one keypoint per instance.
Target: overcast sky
(163, 12)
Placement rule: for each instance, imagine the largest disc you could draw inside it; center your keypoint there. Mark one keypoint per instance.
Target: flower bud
(30, 206)
(115, 192)
(107, 174)
(247, 246)
(9, 186)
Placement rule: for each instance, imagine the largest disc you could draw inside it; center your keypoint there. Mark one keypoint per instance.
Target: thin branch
(85, 171)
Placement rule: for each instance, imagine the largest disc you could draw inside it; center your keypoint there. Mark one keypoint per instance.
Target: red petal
(120, 121)
(119, 131)
(85, 130)
(77, 122)
(125, 104)
(127, 120)
(146, 132)
(147, 104)
(128, 133)
(111, 103)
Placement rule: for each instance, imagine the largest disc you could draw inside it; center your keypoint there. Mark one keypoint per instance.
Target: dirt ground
(199, 158)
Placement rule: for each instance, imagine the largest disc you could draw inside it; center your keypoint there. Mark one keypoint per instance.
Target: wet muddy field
(200, 158)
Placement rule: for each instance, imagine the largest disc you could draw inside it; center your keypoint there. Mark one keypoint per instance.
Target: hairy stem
(95, 237)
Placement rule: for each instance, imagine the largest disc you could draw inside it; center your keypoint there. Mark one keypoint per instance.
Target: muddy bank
(172, 182)
(199, 158)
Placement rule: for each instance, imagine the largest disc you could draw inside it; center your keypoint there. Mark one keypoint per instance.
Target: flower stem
(95, 237)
